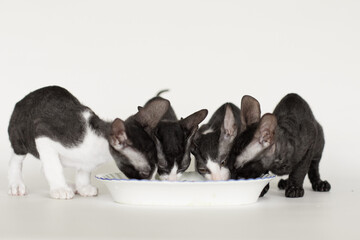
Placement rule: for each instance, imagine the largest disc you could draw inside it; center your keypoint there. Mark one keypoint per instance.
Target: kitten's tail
(161, 92)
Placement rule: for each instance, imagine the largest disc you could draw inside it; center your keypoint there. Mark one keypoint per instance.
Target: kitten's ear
(250, 111)
(118, 135)
(265, 133)
(194, 119)
(229, 127)
(150, 115)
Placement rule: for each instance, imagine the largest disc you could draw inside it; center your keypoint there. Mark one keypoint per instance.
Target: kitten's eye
(202, 171)
(223, 163)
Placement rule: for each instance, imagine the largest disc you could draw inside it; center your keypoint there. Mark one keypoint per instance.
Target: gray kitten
(289, 141)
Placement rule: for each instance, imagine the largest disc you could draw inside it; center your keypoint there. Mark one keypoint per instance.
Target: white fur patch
(62, 193)
(117, 145)
(172, 176)
(93, 151)
(216, 171)
(173, 173)
(251, 151)
(210, 130)
(86, 114)
(83, 186)
(16, 183)
(153, 177)
(87, 191)
(137, 159)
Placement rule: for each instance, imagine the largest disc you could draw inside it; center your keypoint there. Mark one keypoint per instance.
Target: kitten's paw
(321, 186)
(72, 187)
(265, 190)
(294, 192)
(282, 184)
(87, 191)
(18, 189)
(62, 193)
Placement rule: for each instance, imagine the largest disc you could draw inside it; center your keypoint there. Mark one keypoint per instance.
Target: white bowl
(184, 193)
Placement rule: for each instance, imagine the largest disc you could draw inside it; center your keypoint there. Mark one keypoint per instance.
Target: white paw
(17, 189)
(72, 186)
(62, 193)
(87, 191)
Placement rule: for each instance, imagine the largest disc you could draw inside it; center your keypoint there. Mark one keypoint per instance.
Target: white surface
(183, 193)
(316, 216)
(115, 55)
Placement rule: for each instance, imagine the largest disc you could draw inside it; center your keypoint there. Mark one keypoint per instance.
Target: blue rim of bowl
(105, 177)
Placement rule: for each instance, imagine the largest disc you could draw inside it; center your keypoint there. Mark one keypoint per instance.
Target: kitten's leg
(83, 186)
(16, 183)
(317, 184)
(53, 170)
(314, 175)
(294, 188)
(283, 184)
(310, 133)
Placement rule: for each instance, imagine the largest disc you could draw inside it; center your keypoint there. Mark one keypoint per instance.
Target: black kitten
(173, 139)
(289, 141)
(213, 142)
(52, 125)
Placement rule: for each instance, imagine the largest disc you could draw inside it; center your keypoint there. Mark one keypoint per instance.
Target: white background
(115, 55)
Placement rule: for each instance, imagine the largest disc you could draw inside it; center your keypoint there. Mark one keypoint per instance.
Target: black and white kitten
(289, 141)
(52, 125)
(213, 141)
(173, 139)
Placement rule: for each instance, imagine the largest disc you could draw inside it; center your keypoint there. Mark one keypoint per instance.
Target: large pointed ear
(250, 111)
(118, 135)
(194, 119)
(229, 127)
(151, 114)
(265, 133)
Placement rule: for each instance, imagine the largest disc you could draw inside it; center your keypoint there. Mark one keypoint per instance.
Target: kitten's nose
(172, 177)
(216, 176)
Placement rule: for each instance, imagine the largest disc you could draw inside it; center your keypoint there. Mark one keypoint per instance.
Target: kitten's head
(211, 146)
(255, 143)
(173, 140)
(130, 143)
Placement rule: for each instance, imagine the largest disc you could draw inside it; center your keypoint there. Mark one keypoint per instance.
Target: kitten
(289, 141)
(213, 142)
(173, 139)
(53, 126)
